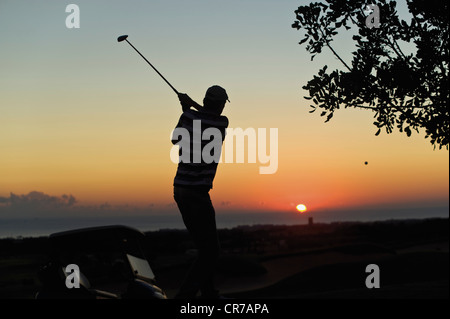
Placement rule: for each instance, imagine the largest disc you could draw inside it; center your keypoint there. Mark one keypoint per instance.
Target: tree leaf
(303, 40)
(408, 131)
(329, 117)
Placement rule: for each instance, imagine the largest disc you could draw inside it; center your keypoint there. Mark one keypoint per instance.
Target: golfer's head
(215, 99)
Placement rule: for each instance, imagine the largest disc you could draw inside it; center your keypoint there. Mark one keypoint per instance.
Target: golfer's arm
(187, 102)
(193, 104)
(196, 106)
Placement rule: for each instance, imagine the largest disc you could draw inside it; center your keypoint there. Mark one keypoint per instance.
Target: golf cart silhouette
(110, 261)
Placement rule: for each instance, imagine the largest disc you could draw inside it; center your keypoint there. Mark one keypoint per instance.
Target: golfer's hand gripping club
(187, 102)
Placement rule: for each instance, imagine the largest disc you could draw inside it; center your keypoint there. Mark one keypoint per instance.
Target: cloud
(35, 204)
(39, 204)
(39, 200)
(105, 206)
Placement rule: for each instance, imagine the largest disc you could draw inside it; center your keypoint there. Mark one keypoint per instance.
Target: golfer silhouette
(192, 183)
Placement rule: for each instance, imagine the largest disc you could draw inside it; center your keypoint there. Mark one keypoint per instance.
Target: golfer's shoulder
(216, 120)
(225, 120)
(191, 114)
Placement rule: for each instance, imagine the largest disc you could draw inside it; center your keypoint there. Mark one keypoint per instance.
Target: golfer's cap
(216, 93)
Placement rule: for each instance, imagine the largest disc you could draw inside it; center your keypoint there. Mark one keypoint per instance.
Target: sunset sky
(84, 115)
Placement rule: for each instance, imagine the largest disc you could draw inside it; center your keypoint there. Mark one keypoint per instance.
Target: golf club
(124, 38)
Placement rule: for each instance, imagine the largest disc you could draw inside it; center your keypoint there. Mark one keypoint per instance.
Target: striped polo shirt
(194, 169)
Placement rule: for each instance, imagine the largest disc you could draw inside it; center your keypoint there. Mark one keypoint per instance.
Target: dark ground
(320, 261)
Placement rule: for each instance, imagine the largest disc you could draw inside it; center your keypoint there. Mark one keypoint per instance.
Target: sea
(44, 226)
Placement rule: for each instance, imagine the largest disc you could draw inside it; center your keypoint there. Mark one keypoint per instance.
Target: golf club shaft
(153, 67)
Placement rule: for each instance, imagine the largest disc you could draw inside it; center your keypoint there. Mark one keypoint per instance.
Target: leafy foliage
(404, 89)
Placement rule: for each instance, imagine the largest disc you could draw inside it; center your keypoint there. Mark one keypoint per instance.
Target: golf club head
(122, 38)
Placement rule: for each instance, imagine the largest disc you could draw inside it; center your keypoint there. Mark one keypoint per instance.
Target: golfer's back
(199, 158)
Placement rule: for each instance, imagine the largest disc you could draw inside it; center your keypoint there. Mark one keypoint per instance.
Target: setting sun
(301, 208)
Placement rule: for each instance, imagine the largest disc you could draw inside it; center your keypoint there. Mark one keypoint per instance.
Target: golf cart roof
(96, 235)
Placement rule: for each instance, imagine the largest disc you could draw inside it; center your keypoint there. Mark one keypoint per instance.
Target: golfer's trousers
(199, 218)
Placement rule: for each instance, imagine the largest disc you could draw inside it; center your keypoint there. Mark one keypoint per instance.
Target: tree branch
(398, 108)
(366, 107)
(334, 52)
(393, 45)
